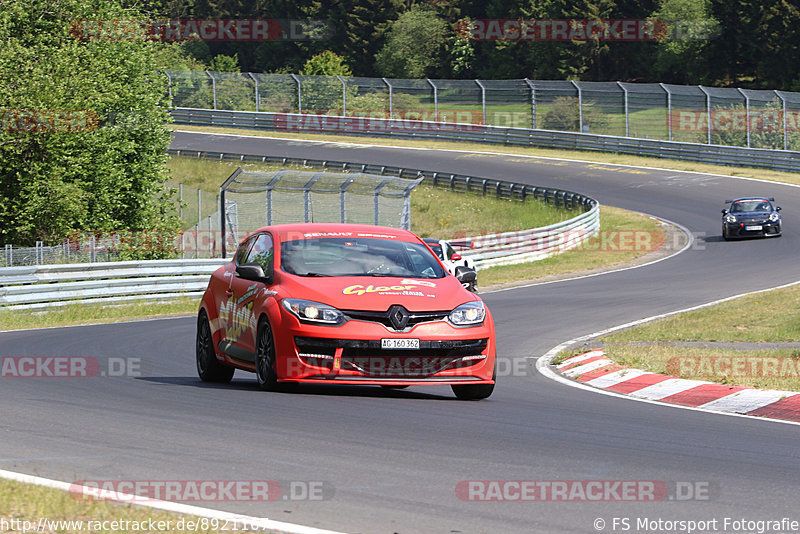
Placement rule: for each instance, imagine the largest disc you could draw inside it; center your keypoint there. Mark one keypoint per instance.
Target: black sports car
(751, 217)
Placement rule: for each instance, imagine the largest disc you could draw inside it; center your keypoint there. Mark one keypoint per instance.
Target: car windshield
(751, 205)
(333, 256)
(436, 247)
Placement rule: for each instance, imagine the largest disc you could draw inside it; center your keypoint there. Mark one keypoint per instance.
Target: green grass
(77, 314)
(766, 369)
(593, 256)
(477, 149)
(26, 502)
(770, 316)
(764, 317)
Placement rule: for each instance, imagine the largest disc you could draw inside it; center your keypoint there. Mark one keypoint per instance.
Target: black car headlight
(468, 314)
(730, 218)
(774, 216)
(314, 312)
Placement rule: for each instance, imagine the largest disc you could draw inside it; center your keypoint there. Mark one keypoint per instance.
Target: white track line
(250, 522)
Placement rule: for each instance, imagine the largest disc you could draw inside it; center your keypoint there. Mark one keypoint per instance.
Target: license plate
(408, 344)
(752, 228)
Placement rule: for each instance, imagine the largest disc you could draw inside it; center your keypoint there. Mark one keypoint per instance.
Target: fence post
(390, 96)
(299, 93)
(483, 100)
(342, 197)
(92, 249)
(308, 216)
(747, 112)
(213, 87)
(708, 110)
(785, 131)
(258, 97)
(10, 255)
(533, 103)
(627, 116)
(376, 200)
(669, 110)
(580, 106)
(344, 96)
(435, 102)
(169, 87)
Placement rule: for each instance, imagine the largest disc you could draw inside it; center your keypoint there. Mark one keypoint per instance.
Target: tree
(414, 44)
(84, 132)
(326, 64)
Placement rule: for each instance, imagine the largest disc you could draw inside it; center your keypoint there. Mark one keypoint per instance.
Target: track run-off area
(418, 460)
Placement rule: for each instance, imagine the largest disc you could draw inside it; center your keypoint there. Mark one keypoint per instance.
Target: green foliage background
(101, 179)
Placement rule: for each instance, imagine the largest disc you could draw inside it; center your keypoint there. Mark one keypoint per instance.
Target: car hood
(752, 214)
(378, 293)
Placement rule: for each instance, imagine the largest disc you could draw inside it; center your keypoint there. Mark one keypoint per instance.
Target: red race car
(344, 304)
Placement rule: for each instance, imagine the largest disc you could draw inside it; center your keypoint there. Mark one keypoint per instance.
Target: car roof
(311, 230)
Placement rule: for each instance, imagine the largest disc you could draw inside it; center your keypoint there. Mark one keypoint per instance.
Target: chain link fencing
(698, 114)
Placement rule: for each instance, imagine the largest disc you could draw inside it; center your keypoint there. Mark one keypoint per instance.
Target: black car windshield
(436, 247)
(751, 205)
(334, 256)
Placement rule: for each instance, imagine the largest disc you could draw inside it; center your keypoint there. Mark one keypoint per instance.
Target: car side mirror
(253, 272)
(778, 208)
(466, 275)
(455, 257)
(724, 212)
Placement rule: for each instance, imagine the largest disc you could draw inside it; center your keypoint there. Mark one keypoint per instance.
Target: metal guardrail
(488, 250)
(782, 160)
(44, 286)
(57, 285)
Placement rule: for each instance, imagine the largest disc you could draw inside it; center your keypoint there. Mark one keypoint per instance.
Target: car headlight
(315, 312)
(774, 216)
(468, 314)
(730, 218)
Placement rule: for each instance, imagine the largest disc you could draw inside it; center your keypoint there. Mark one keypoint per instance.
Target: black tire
(266, 373)
(725, 235)
(387, 386)
(475, 391)
(208, 368)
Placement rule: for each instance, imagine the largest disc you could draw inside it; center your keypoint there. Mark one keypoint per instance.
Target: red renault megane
(344, 304)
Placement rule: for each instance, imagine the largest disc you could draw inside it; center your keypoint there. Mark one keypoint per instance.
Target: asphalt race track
(391, 460)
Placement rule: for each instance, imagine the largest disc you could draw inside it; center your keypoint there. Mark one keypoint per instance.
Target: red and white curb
(594, 369)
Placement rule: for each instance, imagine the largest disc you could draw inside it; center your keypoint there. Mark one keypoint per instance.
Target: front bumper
(352, 354)
(751, 229)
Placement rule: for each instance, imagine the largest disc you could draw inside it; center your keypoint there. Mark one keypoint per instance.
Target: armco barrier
(782, 160)
(509, 247)
(120, 281)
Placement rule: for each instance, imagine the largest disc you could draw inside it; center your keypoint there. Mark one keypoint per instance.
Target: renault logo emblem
(398, 316)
